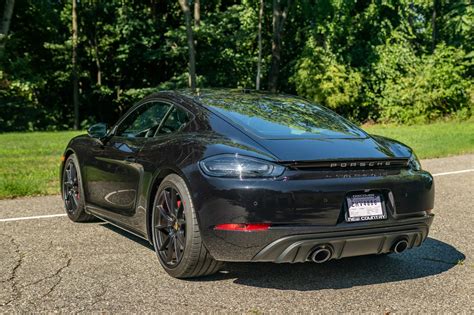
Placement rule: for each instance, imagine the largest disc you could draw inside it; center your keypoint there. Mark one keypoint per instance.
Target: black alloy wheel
(170, 226)
(72, 192)
(176, 234)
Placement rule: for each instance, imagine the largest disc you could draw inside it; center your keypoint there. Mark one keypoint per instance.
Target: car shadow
(432, 258)
(128, 235)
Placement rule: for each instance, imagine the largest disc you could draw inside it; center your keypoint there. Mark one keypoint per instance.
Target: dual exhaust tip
(400, 246)
(323, 253)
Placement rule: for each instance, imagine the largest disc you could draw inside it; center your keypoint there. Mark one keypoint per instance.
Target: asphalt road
(52, 264)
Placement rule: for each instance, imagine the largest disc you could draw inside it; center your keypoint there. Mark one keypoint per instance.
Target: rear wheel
(176, 236)
(72, 192)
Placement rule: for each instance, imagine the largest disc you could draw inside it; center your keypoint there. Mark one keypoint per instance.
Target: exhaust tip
(321, 254)
(400, 246)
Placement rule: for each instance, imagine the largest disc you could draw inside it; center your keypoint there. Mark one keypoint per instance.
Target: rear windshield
(283, 117)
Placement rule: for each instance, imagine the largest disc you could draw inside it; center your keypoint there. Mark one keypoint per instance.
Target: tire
(73, 192)
(193, 259)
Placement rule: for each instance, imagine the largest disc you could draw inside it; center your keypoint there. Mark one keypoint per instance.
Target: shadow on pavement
(128, 235)
(432, 258)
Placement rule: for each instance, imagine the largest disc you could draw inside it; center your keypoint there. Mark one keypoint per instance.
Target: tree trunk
(7, 17)
(279, 17)
(99, 73)
(189, 30)
(197, 13)
(97, 62)
(75, 81)
(434, 31)
(259, 63)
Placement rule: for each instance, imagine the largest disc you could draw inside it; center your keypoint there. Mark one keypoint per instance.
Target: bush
(320, 77)
(411, 89)
(17, 104)
(397, 86)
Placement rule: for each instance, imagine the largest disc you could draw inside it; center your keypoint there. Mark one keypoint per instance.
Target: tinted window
(175, 121)
(281, 117)
(143, 121)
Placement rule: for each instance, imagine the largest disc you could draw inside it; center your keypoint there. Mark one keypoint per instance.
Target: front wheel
(72, 192)
(176, 236)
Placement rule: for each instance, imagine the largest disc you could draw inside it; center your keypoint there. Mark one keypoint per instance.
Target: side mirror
(98, 131)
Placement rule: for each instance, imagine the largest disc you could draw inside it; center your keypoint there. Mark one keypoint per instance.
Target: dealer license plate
(365, 207)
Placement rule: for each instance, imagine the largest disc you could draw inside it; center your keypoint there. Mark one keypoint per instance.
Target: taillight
(243, 227)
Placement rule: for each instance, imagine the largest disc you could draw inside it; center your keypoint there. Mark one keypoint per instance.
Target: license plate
(365, 207)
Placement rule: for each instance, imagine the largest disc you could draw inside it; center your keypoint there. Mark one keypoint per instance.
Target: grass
(29, 162)
(433, 140)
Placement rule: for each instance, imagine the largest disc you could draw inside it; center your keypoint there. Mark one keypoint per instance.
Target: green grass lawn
(433, 140)
(29, 161)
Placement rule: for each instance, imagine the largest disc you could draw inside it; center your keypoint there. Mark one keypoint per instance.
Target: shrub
(319, 76)
(411, 89)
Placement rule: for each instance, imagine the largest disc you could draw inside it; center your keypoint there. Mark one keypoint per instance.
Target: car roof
(230, 95)
(203, 97)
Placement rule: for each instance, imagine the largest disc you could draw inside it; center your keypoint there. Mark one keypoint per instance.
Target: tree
(279, 17)
(189, 34)
(7, 17)
(434, 26)
(361, 58)
(259, 62)
(197, 13)
(75, 79)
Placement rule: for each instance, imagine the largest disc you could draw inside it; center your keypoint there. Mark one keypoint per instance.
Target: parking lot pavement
(52, 264)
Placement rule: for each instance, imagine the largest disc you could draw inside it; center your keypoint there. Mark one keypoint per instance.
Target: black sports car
(235, 175)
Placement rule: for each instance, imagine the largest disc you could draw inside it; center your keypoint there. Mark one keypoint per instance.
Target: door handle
(130, 159)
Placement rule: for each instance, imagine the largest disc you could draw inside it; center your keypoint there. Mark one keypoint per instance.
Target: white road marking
(455, 172)
(34, 218)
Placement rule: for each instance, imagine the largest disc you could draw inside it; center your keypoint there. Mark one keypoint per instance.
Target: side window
(176, 120)
(144, 121)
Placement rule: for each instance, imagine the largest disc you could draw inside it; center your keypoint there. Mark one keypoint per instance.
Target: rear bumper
(297, 248)
(292, 244)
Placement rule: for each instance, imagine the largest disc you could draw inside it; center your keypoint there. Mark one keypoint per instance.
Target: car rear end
(349, 212)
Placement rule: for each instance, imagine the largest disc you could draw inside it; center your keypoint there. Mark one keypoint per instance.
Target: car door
(113, 174)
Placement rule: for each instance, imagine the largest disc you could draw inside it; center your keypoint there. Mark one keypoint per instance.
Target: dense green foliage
(21, 153)
(388, 61)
